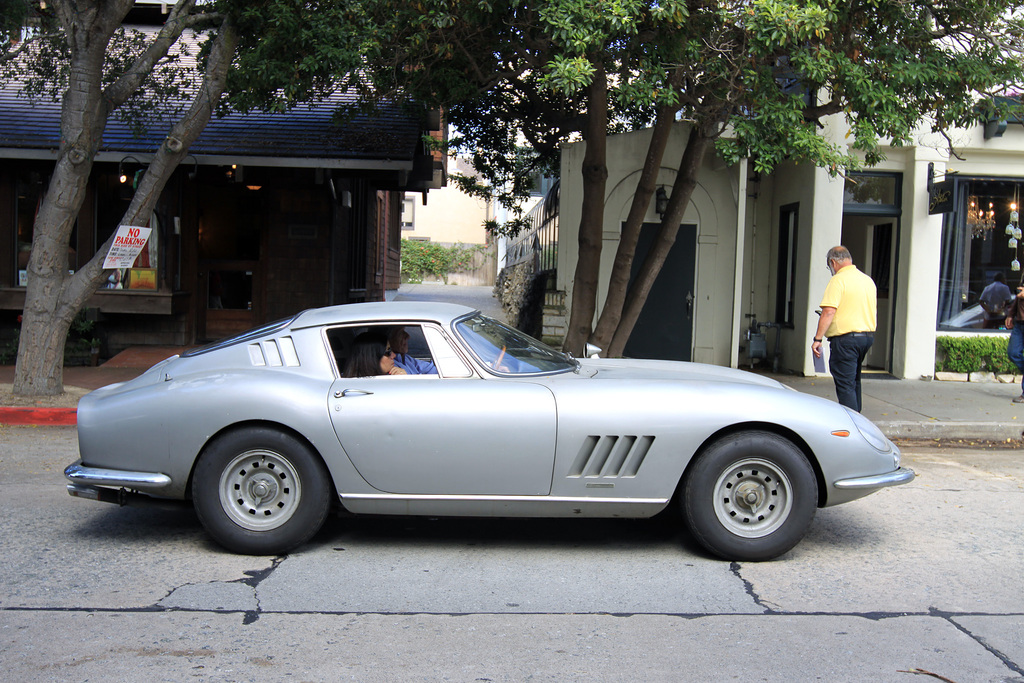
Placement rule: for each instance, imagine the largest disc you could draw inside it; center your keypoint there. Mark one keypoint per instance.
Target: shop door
(664, 329)
(228, 287)
(874, 243)
(229, 274)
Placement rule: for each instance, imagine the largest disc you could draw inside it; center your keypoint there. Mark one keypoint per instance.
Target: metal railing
(539, 242)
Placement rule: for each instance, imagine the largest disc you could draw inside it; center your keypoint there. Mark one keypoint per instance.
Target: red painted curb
(38, 416)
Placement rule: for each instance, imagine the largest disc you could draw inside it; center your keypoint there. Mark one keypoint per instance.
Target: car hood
(602, 368)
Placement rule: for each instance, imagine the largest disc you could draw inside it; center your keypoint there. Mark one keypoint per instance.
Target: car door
(445, 435)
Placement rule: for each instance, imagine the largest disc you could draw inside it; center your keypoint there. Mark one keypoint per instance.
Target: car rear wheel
(750, 496)
(260, 491)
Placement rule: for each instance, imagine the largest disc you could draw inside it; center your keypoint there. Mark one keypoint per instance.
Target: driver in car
(398, 338)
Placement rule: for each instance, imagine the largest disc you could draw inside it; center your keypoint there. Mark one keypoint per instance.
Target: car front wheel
(260, 491)
(750, 496)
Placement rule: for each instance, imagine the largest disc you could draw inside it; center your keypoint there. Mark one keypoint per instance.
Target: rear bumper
(877, 481)
(79, 474)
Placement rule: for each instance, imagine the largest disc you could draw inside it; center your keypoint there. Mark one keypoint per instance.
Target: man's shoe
(1019, 399)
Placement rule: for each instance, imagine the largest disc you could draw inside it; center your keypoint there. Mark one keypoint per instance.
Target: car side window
(406, 342)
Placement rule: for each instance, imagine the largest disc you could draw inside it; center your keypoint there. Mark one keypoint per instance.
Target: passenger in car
(371, 356)
(399, 340)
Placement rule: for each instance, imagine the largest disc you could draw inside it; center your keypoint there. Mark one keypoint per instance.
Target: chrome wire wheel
(753, 497)
(260, 490)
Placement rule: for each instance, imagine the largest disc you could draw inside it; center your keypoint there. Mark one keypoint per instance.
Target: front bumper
(877, 481)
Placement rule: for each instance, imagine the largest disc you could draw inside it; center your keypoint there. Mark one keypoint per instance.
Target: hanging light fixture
(1013, 229)
(122, 174)
(661, 202)
(980, 220)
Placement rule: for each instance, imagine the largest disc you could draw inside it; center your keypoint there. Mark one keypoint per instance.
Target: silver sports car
(264, 433)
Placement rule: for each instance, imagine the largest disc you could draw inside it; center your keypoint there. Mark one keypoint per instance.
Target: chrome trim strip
(877, 481)
(501, 499)
(80, 474)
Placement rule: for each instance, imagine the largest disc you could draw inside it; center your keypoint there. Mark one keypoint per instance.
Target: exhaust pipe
(123, 497)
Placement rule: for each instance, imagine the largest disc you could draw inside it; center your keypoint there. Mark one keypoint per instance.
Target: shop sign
(940, 197)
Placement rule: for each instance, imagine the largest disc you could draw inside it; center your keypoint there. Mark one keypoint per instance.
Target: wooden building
(271, 213)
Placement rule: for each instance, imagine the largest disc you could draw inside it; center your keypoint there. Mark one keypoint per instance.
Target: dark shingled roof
(392, 133)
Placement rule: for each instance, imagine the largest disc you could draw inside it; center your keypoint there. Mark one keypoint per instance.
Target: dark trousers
(846, 355)
(1015, 348)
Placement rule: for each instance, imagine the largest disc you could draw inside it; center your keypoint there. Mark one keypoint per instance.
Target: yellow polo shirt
(853, 295)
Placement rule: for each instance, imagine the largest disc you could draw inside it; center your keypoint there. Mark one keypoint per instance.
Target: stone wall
(521, 293)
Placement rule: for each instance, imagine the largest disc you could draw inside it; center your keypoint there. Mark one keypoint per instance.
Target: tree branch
(178, 20)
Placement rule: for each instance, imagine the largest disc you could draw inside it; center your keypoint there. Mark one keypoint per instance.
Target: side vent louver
(275, 353)
(611, 456)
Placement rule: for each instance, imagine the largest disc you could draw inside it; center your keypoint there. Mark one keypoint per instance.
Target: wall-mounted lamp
(122, 176)
(660, 202)
(195, 167)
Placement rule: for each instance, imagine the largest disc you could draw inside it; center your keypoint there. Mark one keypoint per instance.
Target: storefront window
(114, 196)
(29, 193)
(980, 240)
(866, 189)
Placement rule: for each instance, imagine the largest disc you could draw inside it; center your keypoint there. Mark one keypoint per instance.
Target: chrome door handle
(352, 392)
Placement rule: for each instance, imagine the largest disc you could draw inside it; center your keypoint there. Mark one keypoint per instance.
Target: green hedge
(420, 259)
(973, 354)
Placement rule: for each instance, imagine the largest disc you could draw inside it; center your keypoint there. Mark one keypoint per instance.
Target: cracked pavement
(920, 579)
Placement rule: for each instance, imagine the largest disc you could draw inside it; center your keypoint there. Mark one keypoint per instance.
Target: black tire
(750, 496)
(260, 491)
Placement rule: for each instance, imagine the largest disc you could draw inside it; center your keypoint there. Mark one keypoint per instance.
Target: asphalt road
(922, 578)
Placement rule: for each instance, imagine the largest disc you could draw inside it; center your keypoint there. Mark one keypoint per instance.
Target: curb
(42, 417)
(982, 431)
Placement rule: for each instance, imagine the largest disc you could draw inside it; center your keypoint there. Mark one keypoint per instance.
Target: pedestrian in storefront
(1015, 348)
(994, 299)
(849, 310)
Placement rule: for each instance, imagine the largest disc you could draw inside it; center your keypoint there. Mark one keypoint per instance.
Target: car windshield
(505, 350)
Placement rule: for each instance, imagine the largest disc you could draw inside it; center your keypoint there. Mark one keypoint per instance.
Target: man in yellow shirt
(848, 317)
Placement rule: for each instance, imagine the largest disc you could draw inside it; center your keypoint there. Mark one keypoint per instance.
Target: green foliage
(81, 340)
(767, 71)
(985, 353)
(421, 259)
(8, 351)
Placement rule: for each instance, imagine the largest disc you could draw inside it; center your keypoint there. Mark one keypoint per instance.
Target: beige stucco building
(451, 217)
(755, 246)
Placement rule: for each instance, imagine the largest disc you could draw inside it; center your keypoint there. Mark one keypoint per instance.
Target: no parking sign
(127, 245)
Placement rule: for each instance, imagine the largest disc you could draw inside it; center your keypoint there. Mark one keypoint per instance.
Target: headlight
(872, 434)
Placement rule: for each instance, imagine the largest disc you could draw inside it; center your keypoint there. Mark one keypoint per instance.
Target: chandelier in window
(980, 220)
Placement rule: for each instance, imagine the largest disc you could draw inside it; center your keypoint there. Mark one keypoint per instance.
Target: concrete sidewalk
(921, 409)
(903, 408)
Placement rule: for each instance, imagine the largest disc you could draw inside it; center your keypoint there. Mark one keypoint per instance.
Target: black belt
(852, 334)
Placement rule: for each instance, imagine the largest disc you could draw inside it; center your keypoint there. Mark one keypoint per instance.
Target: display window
(981, 254)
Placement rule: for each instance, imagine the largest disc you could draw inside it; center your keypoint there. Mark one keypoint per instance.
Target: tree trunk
(39, 369)
(595, 177)
(618, 282)
(682, 190)
(52, 297)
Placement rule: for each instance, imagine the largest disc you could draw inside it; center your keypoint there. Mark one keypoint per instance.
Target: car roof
(381, 311)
